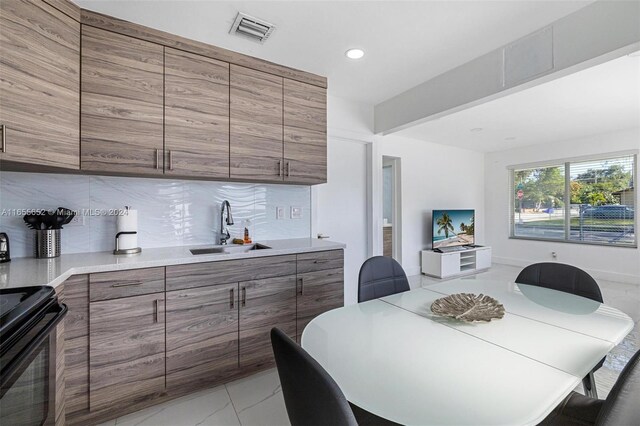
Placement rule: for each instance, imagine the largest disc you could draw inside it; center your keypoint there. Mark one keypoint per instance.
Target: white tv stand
(456, 263)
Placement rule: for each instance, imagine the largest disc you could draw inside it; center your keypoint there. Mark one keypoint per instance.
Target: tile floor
(257, 400)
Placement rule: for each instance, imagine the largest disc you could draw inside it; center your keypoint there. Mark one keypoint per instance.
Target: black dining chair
(622, 406)
(569, 279)
(381, 276)
(311, 396)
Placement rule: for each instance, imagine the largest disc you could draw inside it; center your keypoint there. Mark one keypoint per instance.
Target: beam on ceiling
(597, 33)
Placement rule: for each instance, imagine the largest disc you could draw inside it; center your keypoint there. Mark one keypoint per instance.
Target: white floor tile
(258, 400)
(209, 407)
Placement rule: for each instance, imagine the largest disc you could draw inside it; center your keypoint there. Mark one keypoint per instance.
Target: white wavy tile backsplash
(170, 212)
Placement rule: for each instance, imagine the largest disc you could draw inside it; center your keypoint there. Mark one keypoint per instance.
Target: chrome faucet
(224, 231)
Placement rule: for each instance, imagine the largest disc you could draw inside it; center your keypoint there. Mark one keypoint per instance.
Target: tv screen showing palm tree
(453, 228)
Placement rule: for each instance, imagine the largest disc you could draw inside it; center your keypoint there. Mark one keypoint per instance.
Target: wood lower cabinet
(202, 336)
(256, 125)
(265, 304)
(305, 133)
(133, 340)
(126, 351)
(122, 104)
(39, 85)
(318, 292)
(196, 115)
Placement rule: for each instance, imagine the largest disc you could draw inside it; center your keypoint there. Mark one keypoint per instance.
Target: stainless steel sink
(230, 249)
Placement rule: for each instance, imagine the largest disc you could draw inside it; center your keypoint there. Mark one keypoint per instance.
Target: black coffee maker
(5, 252)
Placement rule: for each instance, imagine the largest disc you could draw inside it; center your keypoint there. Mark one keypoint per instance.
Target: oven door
(28, 372)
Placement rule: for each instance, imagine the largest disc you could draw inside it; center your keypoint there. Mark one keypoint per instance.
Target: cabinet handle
(320, 261)
(244, 296)
(288, 168)
(127, 284)
(157, 159)
(301, 285)
(231, 298)
(155, 310)
(170, 160)
(279, 167)
(3, 136)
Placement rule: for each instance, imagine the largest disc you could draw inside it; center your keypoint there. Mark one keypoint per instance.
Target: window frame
(566, 162)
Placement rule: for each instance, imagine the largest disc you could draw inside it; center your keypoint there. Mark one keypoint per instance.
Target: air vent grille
(253, 28)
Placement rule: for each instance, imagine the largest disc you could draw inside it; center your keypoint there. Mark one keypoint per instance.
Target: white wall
(340, 205)
(611, 263)
(434, 176)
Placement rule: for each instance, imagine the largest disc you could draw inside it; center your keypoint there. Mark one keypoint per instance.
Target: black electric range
(28, 318)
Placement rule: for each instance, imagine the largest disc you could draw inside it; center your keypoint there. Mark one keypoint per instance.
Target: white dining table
(397, 360)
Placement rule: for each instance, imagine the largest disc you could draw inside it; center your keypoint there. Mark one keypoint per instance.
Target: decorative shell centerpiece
(468, 307)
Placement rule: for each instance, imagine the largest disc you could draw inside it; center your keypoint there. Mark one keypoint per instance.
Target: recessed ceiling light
(354, 53)
(477, 129)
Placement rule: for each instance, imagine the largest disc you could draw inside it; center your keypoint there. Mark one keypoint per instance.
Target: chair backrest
(561, 277)
(381, 276)
(622, 406)
(311, 396)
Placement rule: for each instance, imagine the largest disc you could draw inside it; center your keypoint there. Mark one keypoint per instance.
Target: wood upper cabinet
(256, 145)
(202, 336)
(39, 85)
(126, 351)
(196, 126)
(122, 104)
(305, 133)
(265, 304)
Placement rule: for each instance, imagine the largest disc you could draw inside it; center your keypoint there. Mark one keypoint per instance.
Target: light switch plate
(296, 212)
(280, 212)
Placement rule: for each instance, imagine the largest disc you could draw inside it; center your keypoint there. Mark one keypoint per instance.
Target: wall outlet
(296, 212)
(280, 212)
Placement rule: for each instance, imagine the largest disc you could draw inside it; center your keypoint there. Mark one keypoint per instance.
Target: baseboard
(595, 273)
(412, 270)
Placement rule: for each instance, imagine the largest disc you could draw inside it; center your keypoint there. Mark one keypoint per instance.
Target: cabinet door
(256, 125)
(265, 304)
(196, 112)
(39, 85)
(305, 133)
(202, 336)
(122, 104)
(126, 351)
(318, 292)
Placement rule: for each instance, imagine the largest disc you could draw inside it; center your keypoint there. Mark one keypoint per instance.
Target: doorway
(391, 208)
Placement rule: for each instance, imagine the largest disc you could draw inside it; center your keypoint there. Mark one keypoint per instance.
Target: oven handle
(17, 362)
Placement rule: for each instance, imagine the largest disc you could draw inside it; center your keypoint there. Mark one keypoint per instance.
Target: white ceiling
(598, 100)
(406, 42)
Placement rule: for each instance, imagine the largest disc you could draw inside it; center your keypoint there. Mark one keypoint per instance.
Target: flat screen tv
(452, 228)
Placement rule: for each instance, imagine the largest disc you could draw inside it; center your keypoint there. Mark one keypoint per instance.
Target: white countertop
(22, 272)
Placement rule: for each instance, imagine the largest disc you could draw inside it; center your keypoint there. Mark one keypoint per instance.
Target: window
(587, 201)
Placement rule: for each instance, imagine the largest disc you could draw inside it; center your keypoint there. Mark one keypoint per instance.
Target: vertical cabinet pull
(231, 304)
(279, 167)
(244, 296)
(288, 168)
(170, 160)
(158, 311)
(157, 159)
(3, 138)
(301, 280)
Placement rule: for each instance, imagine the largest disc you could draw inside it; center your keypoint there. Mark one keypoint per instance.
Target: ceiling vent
(254, 28)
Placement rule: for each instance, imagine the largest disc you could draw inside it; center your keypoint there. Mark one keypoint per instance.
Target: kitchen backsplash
(170, 212)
